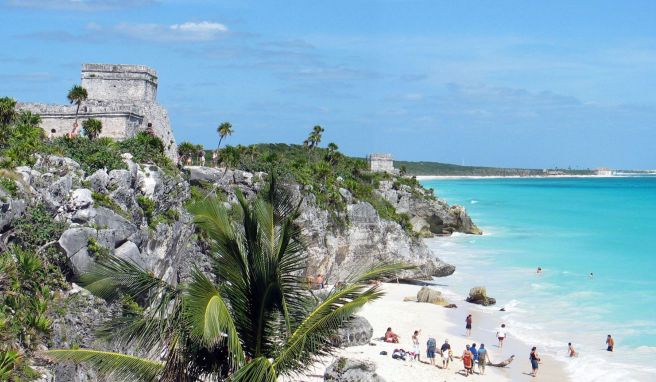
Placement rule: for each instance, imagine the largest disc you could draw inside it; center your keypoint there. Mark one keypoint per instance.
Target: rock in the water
(351, 370)
(478, 295)
(357, 332)
(431, 296)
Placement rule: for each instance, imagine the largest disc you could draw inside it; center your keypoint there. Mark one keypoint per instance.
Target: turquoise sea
(569, 227)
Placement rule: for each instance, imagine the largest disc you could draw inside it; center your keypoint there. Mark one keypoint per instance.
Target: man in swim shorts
(501, 335)
(610, 342)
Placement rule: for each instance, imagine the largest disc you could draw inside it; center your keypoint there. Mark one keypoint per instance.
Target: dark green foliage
(92, 128)
(37, 227)
(148, 207)
(96, 250)
(9, 185)
(92, 155)
(437, 168)
(20, 135)
(146, 148)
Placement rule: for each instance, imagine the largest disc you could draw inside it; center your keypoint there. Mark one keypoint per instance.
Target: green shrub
(92, 155)
(9, 186)
(37, 227)
(147, 206)
(104, 200)
(146, 148)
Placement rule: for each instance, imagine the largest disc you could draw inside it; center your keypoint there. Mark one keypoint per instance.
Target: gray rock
(74, 239)
(106, 218)
(357, 332)
(80, 198)
(10, 210)
(351, 370)
(431, 296)
(83, 216)
(98, 181)
(80, 262)
(130, 252)
(207, 174)
(57, 193)
(119, 179)
(478, 295)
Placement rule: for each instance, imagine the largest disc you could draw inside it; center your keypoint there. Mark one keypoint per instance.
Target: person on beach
(446, 356)
(468, 324)
(570, 350)
(431, 346)
(467, 361)
(483, 358)
(610, 342)
(391, 337)
(415, 345)
(539, 271)
(535, 360)
(474, 352)
(501, 335)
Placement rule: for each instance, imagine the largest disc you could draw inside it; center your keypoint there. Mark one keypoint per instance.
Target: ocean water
(569, 227)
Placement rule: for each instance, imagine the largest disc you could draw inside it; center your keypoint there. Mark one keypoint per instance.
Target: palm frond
(259, 369)
(120, 367)
(210, 318)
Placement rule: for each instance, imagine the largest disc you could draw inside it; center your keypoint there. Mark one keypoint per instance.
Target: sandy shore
(439, 323)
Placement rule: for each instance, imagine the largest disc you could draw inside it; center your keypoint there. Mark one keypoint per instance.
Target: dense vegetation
(252, 319)
(322, 172)
(437, 168)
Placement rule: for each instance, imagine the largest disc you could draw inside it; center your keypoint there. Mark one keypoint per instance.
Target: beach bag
(431, 344)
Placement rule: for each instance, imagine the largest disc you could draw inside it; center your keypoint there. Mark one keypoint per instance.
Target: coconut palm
(224, 130)
(76, 96)
(92, 128)
(252, 319)
(314, 138)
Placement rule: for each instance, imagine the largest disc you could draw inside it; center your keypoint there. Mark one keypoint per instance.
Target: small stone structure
(122, 97)
(381, 163)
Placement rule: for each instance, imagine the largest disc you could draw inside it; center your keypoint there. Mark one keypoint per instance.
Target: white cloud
(185, 32)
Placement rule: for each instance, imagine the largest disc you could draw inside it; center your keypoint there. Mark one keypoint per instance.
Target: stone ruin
(381, 163)
(122, 97)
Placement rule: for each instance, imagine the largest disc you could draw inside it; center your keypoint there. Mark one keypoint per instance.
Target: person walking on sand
(467, 361)
(483, 358)
(610, 342)
(431, 346)
(501, 335)
(415, 345)
(535, 360)
(446, 356)
(468, 324)
(570, 350)
(474, 352)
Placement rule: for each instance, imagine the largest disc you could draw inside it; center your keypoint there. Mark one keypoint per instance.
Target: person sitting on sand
(570, 350)
(391, 337)
(483, 359)
(610, 342)
(501, 335)
(468, 325)
(534, 361)
(415, 345)
(467, 361)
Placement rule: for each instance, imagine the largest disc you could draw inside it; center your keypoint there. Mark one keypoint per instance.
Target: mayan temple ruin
(122, 97)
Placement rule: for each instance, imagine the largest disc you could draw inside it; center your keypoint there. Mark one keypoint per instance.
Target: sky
(503, 83)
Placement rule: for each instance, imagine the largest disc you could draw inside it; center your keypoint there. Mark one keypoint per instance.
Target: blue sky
(504, 83)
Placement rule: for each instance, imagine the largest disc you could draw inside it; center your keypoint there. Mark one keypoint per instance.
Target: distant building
(381, 163)
(604, 172)
(122, 97)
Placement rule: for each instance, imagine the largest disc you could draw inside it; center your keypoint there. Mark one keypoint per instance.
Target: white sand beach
(440, 323)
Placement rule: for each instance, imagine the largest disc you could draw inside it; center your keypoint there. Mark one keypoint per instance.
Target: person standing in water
(570, 350)
(468, 325)
(535, 360)
(610, 342)
(501, 335)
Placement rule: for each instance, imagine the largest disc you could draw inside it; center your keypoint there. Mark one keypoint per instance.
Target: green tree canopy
(92, 128)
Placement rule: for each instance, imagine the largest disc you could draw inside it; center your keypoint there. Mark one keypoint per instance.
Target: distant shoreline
(433, 177)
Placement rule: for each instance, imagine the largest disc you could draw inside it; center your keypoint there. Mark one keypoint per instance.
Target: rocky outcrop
(478, 295)
(429, 216)
(431, 296)
(351, 370)
(357, 332)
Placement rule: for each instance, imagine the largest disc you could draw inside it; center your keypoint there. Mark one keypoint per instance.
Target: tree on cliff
(92, 128)
(252, 319)
(186, 150)
(76, 96)
(224, 130)
(314, 138)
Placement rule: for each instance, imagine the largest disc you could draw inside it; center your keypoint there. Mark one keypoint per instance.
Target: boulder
(451, 306)
(357, 332)
(130, 252)
(351, 370)
(431, 296)
(478, 295)
(98, 181)
(80, 199)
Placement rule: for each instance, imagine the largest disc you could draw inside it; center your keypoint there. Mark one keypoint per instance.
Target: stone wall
(381, 163)
(122, 83)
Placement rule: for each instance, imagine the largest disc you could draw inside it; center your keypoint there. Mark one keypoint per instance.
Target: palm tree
(186, 150)
(92, 128)
(7, 110)
(333, 153)
(224, 130)
(314, 138)
(252, 319)
(76, 96)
